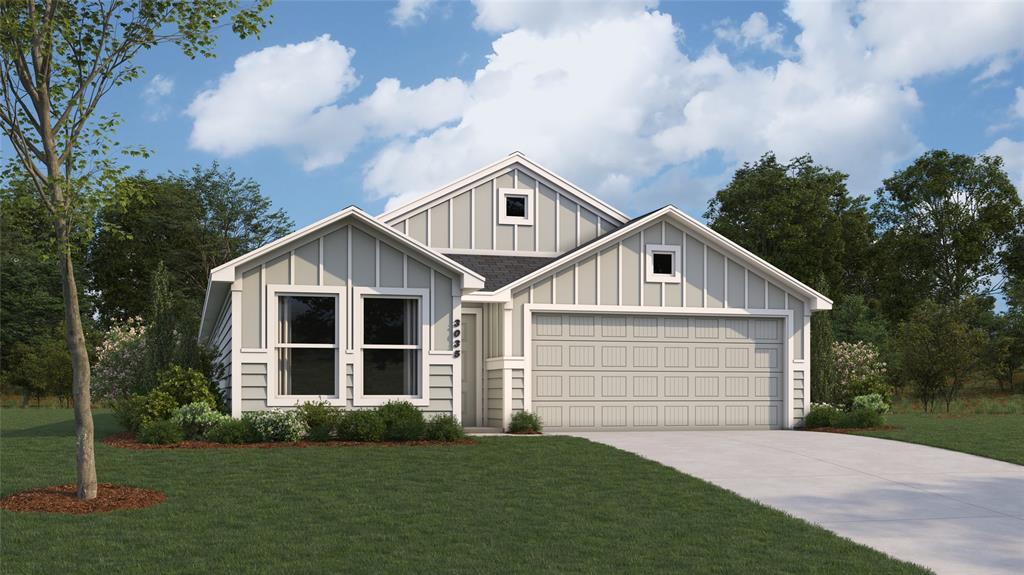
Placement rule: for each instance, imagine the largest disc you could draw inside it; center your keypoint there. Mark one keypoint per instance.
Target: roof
(817, 300)
(607, 210)
(224, 274)
(499, 271)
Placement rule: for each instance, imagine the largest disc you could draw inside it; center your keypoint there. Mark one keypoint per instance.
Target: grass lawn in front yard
(997, 436)
(509, 505)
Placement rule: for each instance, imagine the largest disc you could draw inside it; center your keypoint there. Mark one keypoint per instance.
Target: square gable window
(663, 264)
(515, 206)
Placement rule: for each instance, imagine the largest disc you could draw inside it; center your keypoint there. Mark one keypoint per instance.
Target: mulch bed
(853, 429)
(127, 441)
(62, 499)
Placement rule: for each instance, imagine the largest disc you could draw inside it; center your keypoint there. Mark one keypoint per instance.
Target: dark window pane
(515, 206)
(306, 319)
(390, 321)
(391, 372)
(662, 263)
(304, 371)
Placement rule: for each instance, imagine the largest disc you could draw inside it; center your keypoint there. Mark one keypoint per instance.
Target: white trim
(236, 348)
(505, 219)
(423, 295)
(673, 278)
(492, 252)
(786, 362)
(273, 292)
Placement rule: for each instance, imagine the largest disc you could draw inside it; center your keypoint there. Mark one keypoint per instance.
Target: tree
(191, 221)
(939, 352)
(59, 60)
(946, 223)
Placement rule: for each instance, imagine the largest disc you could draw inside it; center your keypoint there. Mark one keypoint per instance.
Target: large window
(307, 346)
(391, 346)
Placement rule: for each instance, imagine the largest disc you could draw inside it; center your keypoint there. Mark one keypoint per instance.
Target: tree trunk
(85, 457)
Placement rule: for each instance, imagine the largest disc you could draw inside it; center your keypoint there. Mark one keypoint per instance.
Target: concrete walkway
(948, 511)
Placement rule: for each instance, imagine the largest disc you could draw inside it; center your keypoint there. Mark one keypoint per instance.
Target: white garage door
(593, 371)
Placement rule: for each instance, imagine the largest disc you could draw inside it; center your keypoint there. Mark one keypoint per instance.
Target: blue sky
(642, 104)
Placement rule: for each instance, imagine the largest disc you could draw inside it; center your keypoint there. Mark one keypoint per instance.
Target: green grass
(510, 505)
(995, 436)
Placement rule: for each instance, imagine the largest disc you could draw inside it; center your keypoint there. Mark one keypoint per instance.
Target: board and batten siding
(710, 279)
(345, 256)
(467, 219)
(220, 343)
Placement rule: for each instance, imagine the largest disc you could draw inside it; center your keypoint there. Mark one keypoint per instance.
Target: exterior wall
(518, 385)
(709, 279)
(341, 258)
(221, 345)
(467, 219)
(495, 393)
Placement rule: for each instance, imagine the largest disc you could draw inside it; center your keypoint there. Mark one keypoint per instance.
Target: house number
(455, 338)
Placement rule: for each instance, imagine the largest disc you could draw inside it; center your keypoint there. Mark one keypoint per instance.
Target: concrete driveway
(949, 511)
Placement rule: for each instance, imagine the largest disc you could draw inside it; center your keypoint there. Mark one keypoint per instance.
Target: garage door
(656, 372)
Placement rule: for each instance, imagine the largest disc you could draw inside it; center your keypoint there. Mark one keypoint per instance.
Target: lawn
(998, 436)
(510, 505)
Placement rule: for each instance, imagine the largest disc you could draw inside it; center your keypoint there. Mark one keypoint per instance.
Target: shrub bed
(525, 423)
(865, 411)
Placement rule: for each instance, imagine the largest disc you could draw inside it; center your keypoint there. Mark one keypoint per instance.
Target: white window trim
(274, 291)
(512, 220)
(359, 295)
(675, 252)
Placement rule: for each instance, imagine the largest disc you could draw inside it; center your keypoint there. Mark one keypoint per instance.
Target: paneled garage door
(611, 372)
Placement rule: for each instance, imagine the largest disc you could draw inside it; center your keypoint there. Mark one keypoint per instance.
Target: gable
(469, 215)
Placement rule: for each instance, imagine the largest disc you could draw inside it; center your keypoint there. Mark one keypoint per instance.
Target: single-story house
(512, 289)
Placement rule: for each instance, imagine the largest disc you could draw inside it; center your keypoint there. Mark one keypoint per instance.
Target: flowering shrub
(120, 365)
(871, 402)
(195, 419)
(858, 371)
(275, 425)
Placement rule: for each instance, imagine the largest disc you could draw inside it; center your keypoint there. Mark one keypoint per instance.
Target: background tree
(58, 60)
(946, 224)
(191, 222)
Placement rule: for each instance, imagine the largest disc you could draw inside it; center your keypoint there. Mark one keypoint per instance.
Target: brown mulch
(127, 441)
(853, 429)
(62, 499)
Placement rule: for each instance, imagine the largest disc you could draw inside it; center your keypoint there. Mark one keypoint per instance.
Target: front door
(472, 397)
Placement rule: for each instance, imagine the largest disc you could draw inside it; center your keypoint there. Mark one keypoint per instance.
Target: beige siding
(632, 263)
(439, 226)
(495, 391)
(364, 259)
(462, 215)
(693, 272)
(278, 270)
(715, 278)
(307, 264)
(518, 301)
(336, 257)
(518, 379)
(442, 331)
(736, 285)
(392, 266)
(800, 399)
(566, 224)
(252, 311)
(544, 219)
(586, 275)
(417, 227)
(484, 216)
(756, 287)
(494, 340)
(254, 387)
(609, 276)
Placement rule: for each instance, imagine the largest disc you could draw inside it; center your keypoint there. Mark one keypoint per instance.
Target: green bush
(402, 421)
(275, 425)
(160, 432)
(228, 430)
(128, 411)
(872, 401)
(186, 386)
(445, 428)
(525, 422)
(320, 417)
(821, 415)
(360, 425)
(859, 418)
(157, 405)
(195, 419)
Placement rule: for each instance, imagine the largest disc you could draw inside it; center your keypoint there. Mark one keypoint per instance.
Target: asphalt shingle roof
(499, 271)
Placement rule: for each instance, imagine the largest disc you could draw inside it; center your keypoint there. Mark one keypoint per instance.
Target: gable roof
(500, 271)
(222, 276)
(515, 158)
(816, 300)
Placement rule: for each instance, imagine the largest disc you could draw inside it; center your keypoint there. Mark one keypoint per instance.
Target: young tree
(939, 352)
(946, 223)
(58, 59)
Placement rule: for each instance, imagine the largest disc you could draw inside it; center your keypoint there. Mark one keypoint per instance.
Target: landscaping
(552, 504)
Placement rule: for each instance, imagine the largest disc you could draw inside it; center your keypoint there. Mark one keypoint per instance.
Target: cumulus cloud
(158, 88)
(755, 31)
(603, 93)
(1012, 152)
(1018, 104)
(410, 12)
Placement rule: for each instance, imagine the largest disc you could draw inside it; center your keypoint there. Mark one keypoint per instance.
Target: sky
(643, 104)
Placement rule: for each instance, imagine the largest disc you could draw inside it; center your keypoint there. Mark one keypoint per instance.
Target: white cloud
(755, 31)
(410, 12)
(1018, 104)
(603, 93)
(1012, 152)
(998, 66)
(156, 90)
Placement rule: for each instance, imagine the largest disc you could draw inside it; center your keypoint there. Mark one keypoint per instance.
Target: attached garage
(609, 371)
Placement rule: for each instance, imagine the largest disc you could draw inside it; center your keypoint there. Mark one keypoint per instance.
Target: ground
(551, 504)
(996, 436)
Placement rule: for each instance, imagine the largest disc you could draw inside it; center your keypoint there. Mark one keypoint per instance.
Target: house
(512, 289)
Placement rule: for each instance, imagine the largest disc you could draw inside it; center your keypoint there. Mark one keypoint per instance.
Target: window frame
(274, 293)
(504, 218)
(677, 264)
(359, 296)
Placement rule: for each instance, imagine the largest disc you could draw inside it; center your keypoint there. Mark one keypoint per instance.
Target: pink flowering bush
(119, 370)
(858, 371)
